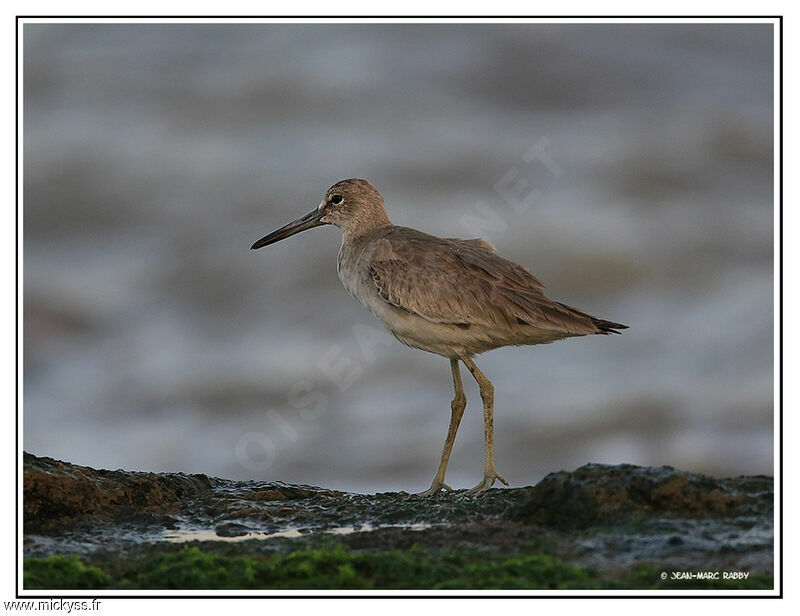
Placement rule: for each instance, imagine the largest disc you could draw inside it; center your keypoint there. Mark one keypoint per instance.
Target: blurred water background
(155, 154)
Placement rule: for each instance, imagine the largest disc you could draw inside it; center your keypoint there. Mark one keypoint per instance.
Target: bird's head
(354, 205)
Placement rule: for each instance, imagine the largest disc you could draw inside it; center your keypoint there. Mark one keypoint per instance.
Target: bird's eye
(336, 199)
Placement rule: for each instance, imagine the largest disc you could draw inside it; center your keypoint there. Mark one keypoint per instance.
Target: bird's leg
(457, 407)
(487, 395)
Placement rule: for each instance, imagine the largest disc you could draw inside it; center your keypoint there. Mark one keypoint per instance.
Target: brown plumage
(448, 296)
(463, 282)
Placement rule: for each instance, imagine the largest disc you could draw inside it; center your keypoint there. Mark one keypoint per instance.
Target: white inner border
(777, 444)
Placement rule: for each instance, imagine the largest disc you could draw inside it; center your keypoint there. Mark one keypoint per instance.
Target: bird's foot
(488, 482)
(436, 487)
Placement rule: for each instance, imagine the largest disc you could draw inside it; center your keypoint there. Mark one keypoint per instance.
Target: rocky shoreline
(599, 526)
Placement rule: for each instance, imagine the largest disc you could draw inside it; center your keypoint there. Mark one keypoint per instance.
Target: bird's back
(422, 286)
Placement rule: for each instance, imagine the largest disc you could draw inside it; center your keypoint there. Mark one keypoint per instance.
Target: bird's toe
(488, 482)
(436, 488)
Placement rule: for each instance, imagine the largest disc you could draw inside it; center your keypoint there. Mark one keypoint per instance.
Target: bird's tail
(608, 327)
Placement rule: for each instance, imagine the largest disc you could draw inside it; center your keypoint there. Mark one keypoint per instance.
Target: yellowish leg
(487, 395)
(457, 407)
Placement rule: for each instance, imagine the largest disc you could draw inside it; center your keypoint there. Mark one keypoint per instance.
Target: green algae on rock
(341, 569)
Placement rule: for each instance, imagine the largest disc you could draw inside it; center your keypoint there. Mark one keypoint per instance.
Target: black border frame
(378, 594)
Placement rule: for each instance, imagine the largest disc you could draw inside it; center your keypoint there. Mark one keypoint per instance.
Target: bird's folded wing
(464, 283)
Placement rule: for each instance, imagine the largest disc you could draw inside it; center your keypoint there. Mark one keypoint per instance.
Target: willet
(452, 297)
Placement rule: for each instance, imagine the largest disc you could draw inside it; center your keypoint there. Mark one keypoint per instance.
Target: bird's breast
(353, 270)
(354, 275)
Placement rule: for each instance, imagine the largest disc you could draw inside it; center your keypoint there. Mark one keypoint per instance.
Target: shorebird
(452, 297)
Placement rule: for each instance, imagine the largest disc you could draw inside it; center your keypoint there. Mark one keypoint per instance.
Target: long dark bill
(312, 219)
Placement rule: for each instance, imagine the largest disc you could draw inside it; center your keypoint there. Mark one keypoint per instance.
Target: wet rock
(232, 529)
(58, 496)
(600, 516)
(599, 494)
(56, 493)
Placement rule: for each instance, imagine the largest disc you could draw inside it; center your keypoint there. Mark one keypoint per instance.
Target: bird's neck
(366, 223)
